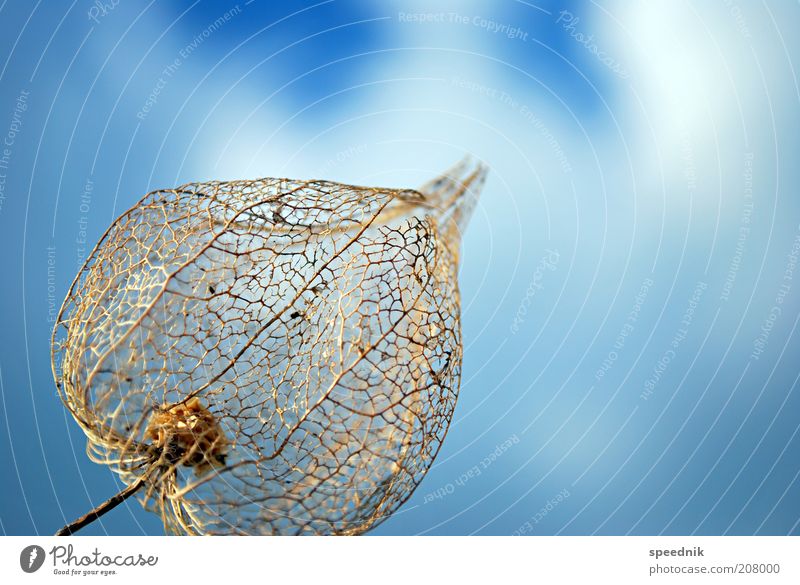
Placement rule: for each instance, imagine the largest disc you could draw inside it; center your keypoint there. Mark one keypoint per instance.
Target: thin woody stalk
(100, 510)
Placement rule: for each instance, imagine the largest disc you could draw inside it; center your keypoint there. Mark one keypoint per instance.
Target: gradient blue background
(644, 175)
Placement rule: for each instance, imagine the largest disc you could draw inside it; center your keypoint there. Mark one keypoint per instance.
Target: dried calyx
(314, 325)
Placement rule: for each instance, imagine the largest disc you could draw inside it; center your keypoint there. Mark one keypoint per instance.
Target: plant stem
(109, 504)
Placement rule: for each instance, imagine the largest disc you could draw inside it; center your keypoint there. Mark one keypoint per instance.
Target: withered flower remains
(271, 356)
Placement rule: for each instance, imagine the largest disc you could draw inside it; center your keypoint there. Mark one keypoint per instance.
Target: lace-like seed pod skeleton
(269, 356)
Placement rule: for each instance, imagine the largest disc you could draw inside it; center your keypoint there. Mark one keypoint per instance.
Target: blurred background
(629, 279)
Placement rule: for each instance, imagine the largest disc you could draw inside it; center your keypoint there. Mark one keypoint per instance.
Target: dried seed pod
(270, 356)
